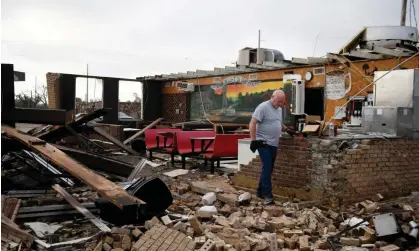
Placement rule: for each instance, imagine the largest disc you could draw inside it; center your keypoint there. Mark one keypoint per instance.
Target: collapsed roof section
(370, 43)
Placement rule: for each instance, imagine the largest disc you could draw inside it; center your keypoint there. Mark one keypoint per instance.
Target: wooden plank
(114, 140)
(142, 131)
(16, 233)
(109, 190)
(79, 207)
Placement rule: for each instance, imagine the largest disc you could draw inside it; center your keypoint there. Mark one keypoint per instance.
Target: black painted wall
(152, 100)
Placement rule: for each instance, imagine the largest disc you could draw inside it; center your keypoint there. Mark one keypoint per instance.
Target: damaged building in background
(82, 181)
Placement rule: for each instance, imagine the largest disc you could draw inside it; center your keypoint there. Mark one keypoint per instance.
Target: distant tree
(33, 99)
(78, 100)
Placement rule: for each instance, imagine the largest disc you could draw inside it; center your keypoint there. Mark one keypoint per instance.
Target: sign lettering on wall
(335, 86)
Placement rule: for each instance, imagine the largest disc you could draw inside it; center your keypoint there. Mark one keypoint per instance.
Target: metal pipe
(403, 15)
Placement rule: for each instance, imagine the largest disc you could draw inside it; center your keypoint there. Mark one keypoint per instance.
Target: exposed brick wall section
(380, 167)
(53, 80)
(176, 107)
(317, 169)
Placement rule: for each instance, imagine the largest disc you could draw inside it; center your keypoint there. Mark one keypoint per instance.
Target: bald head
(278, 99)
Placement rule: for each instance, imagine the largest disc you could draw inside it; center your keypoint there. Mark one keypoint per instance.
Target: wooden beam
(142, 131)
(114, 140)
(109, 190)
(79, 207)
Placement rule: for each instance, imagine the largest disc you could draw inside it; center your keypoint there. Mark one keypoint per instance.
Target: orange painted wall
(360, 77)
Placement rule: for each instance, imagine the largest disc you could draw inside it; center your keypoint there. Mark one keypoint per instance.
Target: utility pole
(87, 86)
(259, 52)
(403, 16)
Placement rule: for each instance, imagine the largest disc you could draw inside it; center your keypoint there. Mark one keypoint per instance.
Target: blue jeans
(267, 156)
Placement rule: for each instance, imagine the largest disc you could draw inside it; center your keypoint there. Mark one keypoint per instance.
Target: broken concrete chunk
(108, 240)
(118, 230)
(349, 248)
(290, 243)
(167, 221)
(98, 246)
(196, 225)
(106, 247)
(219, 245)
(350, 241)
(408, 208)
(200, 240)
(117, 244)
(226, 209)
(266, 215)
(207, 211)
(377, 197)
(273, 242)
(189, 232)
(276, 223)
(151, 223)
(290, 233)
(304, 243)
(126, 242)
(209, 198)
(136, 233)
(216, 228)
(390, 248)
(222, 221)
(180, 226)
(281, 243)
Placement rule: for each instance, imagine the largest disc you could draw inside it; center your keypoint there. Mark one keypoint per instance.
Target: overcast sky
(138, 38)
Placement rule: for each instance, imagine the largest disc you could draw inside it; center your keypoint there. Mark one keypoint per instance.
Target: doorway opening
(314, 102)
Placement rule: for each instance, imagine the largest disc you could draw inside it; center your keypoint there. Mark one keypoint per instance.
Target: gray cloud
(137, 38)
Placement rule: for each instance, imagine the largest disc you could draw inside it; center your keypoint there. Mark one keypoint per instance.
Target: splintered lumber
(11, 232)
(109, 190)
(79, 207)
(114, 140)
(142, 131)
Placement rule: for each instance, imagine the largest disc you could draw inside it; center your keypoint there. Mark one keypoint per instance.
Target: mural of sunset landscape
(239, 101)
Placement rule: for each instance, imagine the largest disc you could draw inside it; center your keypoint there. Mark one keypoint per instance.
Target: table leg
(208, 145)
(193, 145)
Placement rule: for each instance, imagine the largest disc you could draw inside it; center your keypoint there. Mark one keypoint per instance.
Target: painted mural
(233, 100)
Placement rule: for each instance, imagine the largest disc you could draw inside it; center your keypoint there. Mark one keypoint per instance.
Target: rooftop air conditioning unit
(298, 97)
(185, 86)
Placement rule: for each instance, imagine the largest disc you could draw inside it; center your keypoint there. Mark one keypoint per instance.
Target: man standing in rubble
(265, 129)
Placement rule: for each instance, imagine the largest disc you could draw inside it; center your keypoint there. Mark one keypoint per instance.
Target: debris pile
(50, 201)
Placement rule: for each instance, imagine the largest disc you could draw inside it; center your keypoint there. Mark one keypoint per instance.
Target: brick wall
(317, 169)
(53, 80)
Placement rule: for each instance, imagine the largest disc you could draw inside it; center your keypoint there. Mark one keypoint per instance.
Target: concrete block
(167, 221)
(209, 245)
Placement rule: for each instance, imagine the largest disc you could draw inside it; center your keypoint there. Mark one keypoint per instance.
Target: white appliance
(185, 86)
(298, 97)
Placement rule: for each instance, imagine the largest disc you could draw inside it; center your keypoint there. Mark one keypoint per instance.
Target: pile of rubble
(50, 201)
